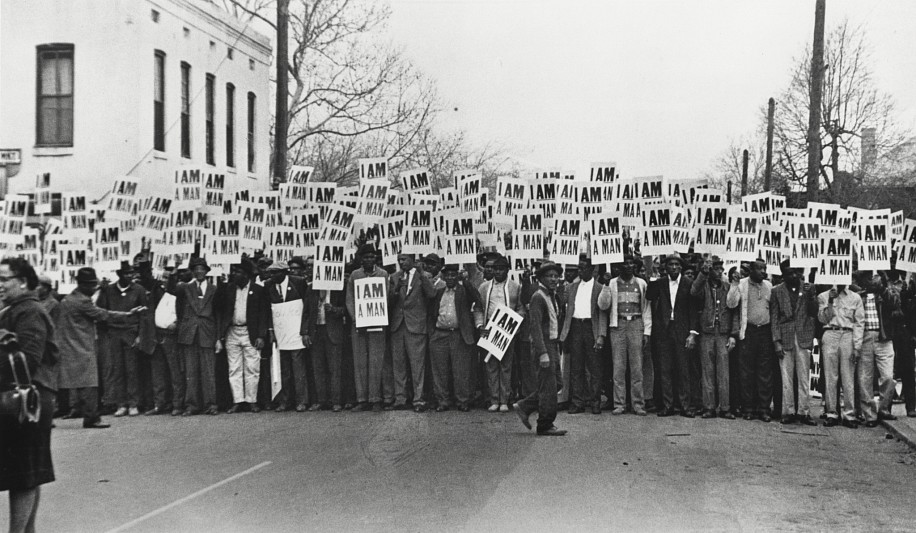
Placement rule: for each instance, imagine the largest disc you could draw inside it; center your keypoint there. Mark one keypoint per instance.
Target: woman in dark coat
(25, 449)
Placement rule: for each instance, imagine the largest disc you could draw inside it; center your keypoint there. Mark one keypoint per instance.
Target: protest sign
(606, 238)
(371, 302)
(338, 223)
(188, 183)
(836, 259)
(655, 234)
(293, 196)
(300, 175)
(43, 194)
(308, 222)
(460, 244)
(771, 247)
(680, 229)
(906, 248)
(592, 196)
(804, 241)
(528, 234)
(13, 218)
(287, 322)
(252, 217)
(418, 237)
(321, 195)
(649, 187)
(122, 199)
(225, 242)
(605, 172)
(542, 194)
(711, 228)
(213, 189)
(448, 197)
(567, 198)
(873, 243)
(392, 240)
(371, 168)
(741, 243)
(511, 194)
(373, 198)
(832, 218)
(896, 225)
(330, 257)
(564, 244)
(764, 204)
(416, 180)
(74, 214)
(502, 327)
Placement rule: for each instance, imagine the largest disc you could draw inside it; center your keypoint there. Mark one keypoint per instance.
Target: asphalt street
(478, 471)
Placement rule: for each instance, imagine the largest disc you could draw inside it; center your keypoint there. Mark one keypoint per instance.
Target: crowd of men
(676, 337)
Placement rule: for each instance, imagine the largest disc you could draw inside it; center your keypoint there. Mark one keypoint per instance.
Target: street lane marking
(187, 498)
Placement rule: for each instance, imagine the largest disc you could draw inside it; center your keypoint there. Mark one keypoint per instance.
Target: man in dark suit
(675, 331)
(284, 289)
(197, 336)
(451, 338)
(584, 331)
(409, 294)
(326, 311)
(243, 322)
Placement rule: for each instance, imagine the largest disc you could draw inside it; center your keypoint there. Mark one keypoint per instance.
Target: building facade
(99, 89)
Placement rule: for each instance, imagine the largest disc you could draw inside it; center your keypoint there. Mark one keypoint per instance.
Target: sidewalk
(903, 428)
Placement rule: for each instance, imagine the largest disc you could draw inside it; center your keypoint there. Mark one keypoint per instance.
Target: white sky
(660, 87)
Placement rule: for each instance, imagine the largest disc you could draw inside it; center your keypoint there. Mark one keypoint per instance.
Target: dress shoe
(189, 412)
(97, 424)
(851, 424)
(788, 419)
(617, 411)
(552, 431)
(280, 408)
(441, 408)
(234, 409)
(807, 420)
(708, 414)
(665, 412)
(728, 415)
(347, 406)
(886, 416)
(315, 407)
(650, 406)
(336, 408)
(387, 407)
(575, 410)
(493, 408)
(419, 408)
(689, 413)
(377, 407)
(212, 411)
(177, 412)
(748, 416)
(503, 408)
(871, 424)
(361, 406)
(255, 408)
(301, 408)
(639, 412)
(765, 417)
(911, 414)
(122, 411)
(153, 412)
(133, 411)
(830, 422)
(522, 415)
(596, 409)
(72, 414)
(463, 408)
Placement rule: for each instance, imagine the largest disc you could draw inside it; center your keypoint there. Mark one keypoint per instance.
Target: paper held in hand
(371, 299)
(288, 324)
(502, 328)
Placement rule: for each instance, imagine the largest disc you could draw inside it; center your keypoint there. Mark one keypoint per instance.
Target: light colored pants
(875, 355)
(626, 350)
(372, 367)
(499, 376)
(837, 365)
(714, 365)
(563, 393)
(244, 365)
(795, 365)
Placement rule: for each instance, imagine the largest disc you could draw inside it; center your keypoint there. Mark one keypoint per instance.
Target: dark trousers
(451, 358)
(292, 378)
(544, 399)
(408, 350)
(200, 377)
(584, 364)
(265, 385)
(673, 369)
(167, 374)
(757, 369)
(121, 369)
(85, 400)
(326, 361)
(527, 369)
(905, 363)
(696, 378)
(734, 380)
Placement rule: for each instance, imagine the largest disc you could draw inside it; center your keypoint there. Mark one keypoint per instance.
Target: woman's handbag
(22, 402)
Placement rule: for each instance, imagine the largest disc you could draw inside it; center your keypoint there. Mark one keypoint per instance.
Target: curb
(906, 437)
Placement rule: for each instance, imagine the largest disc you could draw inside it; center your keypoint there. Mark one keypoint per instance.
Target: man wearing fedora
(544, 314)
(75, 328)
(242, 328)
(410, 292)
(675, 326)
(197, 337)
(121, 371)
(282, 288)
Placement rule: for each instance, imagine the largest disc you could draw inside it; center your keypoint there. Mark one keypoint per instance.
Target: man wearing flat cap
(121, 370)
(197, 337)
(372, 369)
(281, 289)
(544, 315)
(242, 328)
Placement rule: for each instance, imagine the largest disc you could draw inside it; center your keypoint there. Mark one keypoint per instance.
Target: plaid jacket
(787, 322)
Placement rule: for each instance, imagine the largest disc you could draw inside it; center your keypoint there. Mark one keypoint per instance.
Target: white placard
(371, 299)
(502, 329)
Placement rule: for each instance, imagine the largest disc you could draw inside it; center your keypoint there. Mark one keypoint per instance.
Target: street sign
(10, 156)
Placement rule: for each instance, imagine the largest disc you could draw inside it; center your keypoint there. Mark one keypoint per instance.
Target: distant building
(91, 90)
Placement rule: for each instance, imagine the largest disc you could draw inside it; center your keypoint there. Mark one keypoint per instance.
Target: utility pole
(744, 158)
(282, 110)
(768, 169)
(814, 101)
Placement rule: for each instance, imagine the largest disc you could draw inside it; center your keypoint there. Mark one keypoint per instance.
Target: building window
(251, 104)
(211, 81)
(251, 64)
(230, 125)
(159, 101)
(154, 15)
(229, 52)
(185, 110)
(55, 95)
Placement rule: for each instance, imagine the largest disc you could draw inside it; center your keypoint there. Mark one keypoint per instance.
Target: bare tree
(728, 166)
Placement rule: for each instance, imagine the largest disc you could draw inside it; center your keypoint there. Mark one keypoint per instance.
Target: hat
(716, 260)
(366, 249)
(547, 266)
(450, 268)
(278, 266)
(432, 258)
(299, 260)
(264, 262)
(483, 257)
(198, 261)
(45, 280)
(245, 266)
(126, 268)
(584, 258)
(674, 257)
(86, 275)
(500, 260)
